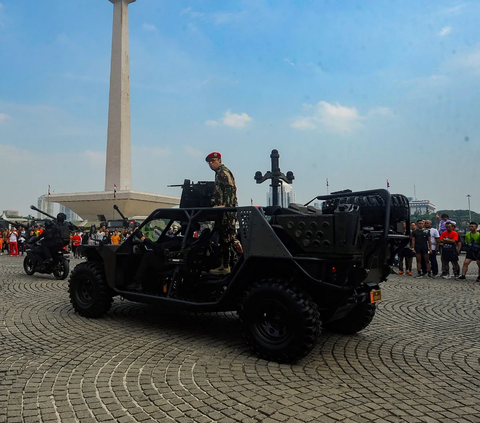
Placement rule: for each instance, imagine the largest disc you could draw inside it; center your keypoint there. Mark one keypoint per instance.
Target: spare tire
(372, 208)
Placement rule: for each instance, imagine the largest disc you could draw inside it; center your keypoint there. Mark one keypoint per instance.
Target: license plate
(375, 296)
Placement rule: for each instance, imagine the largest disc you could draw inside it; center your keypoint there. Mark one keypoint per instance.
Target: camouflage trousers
(227, 238)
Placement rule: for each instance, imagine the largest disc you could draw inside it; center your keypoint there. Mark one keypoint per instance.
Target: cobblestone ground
(417, 362)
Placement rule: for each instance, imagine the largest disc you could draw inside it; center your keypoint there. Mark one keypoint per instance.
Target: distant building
(421, 207)
(11, 213)
(45, 206)
(286, 195)
(71, 216)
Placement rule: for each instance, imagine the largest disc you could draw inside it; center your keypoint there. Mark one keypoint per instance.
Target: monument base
(92, 206)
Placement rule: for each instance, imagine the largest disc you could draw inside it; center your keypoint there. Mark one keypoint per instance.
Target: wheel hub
(272, 324)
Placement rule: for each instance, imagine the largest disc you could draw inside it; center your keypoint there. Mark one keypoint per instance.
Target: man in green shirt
(472, 240)
(225, 195)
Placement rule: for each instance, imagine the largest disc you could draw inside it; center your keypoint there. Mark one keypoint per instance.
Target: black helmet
(61, 217)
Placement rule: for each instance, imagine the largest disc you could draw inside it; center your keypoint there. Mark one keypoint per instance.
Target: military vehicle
(301, 268)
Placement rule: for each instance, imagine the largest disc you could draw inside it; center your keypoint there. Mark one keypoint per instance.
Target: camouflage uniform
(225, 194)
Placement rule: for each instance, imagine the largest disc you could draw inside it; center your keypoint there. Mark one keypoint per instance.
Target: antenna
(415, 192)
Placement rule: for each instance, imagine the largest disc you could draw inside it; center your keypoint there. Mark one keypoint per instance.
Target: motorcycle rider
(52, 237)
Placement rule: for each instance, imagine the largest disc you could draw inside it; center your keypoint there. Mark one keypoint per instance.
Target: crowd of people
(13, 241)
(427, 242)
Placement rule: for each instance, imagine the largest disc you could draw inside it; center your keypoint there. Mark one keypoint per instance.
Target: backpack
(64, 233)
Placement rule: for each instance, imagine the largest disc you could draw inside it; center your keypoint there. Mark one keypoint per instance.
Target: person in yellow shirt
(115, 237)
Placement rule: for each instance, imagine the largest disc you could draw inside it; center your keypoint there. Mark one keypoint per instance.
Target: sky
(354, 91)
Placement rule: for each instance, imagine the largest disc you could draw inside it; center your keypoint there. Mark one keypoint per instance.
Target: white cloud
(149, 27)
(3, 116)
(304, 123)
(335, 118)
(192, 151)
(185, 11)
(289, 62)
(234, 120)
(445, 31)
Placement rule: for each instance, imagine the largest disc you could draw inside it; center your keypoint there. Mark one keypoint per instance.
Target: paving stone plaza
(417, 362)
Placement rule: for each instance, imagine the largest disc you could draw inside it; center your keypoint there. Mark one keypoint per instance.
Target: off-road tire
(400, 209)
(28, 266)
(62, 269)
(89, 293)
(279, 321)
(355, 321)
(372, 207)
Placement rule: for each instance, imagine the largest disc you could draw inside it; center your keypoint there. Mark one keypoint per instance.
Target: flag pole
(327, 186)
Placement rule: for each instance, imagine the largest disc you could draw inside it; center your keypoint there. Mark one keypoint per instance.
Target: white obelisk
(118, 167)
(97, 206)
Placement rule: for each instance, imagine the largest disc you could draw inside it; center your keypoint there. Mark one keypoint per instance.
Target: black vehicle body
(323, 263)
(34, 261)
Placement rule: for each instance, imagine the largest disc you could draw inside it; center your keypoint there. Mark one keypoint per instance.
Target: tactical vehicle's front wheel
(89, 293)
(61, 269)
(355, 321)
(280, 322)
(28, 266)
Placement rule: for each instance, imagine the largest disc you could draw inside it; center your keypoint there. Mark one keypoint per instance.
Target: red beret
(213, 155)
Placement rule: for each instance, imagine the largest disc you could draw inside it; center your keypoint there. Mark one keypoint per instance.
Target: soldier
(225, 195)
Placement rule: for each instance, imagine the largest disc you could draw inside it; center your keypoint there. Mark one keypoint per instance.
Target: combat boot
(220, 271)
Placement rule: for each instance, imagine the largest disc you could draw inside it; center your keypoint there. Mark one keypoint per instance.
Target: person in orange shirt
(448, 241)
(76, 241)
(115, 238)
(1, 243)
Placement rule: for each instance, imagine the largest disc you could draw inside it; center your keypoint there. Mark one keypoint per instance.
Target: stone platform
(89, 205)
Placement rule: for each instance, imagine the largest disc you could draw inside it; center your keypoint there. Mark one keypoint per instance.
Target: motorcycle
(34, 262)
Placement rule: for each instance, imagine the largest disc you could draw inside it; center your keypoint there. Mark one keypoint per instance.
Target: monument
(118, 169)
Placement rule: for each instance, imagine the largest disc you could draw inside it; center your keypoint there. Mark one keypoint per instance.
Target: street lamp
(276, 176)
(469, 211)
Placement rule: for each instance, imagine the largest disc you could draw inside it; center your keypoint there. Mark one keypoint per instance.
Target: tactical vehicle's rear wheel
(61, 269)
(355, 321)
(89, 293)
(28, 266)
(280, 322)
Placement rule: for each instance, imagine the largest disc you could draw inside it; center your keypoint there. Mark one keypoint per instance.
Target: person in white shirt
(13, 236)
(434, 236)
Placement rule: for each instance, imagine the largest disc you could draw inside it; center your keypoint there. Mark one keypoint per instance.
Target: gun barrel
(45, 213)
(119, 212)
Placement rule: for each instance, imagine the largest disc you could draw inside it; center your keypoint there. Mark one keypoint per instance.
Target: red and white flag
(115, 191)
